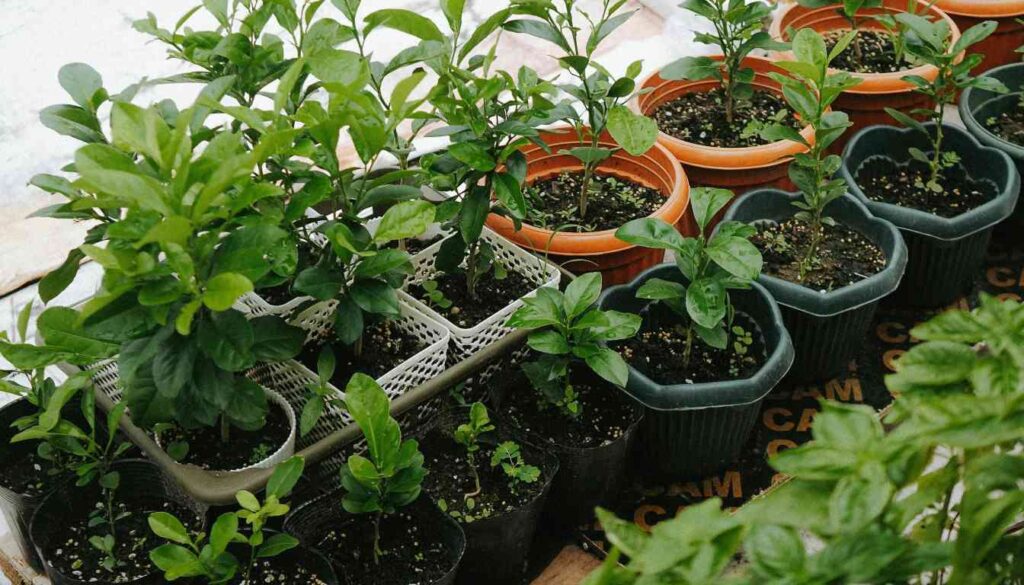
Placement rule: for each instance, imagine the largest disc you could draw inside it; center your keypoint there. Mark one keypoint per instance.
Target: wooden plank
(569, 568)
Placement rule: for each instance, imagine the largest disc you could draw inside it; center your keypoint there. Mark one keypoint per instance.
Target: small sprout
(435, 296)
(468, 435)
(509, 457)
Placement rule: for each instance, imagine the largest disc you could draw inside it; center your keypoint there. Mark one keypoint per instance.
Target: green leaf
(706, 302)
(311, 413)
(168, 527)
(82, 83)
(284, 478)
(61, 328)
(224, 289)
(72, 121)
(348, 320)
(651, 232)
(339, 70)
(858, 501)
(691, 68)
(635, 133)
(320, 282)
(274, 340)
(223, 532)
(369, 407)
(509, 192)
(549, 342)
(581, 294)
(658, 289)
(57, 281)
(935, 363)
(277, 544)
(473, 154)
(405, 21)
(404, 220)
(608, 364)
(227, 338)
(737, 256)
(375, 296)
(176, 562)
(248, 501)
(707, 202)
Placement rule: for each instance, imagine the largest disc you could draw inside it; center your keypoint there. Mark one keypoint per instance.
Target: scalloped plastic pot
(601, 251)
(737, 169)
(1000, 48)
(694, 430)
(978, 105)
(865, 103)
(944, 253)
(827, 328)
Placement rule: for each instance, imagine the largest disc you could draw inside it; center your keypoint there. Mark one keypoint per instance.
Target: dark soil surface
(385, 346)
(844, 256)
(700, 118)
(413, 553)
(1009, 126)
(877, 53)
(75, 557)
(605, 413)
(658, 352)
(245, 448)
(492, 295)
(28, 474)
(450, 482)
(281, 571)
(883, 180)
(612, 203)
(282, 293)
(416, 245)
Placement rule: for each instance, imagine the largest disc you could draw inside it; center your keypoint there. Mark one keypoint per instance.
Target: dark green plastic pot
(694, 430)
(17, 508)
(978, 105)
(945, 254)
(827, 328)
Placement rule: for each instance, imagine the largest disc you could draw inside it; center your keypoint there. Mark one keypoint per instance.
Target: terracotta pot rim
(719, 158)
(600, 243)
(976, 9)
(871, 83)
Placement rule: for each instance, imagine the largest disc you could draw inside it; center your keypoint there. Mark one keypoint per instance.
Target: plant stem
(937, 155)
(377, 553)
(225, 429)
(476, 476)
(688, 352)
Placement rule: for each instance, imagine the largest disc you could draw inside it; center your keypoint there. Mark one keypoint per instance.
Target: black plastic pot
(827, 328)
(311, 522)
(498, 547)
(694, 430)
(17, 509)
(142, 483)
(587, 477)
(945, 254)
(302, 556)
(978, 105)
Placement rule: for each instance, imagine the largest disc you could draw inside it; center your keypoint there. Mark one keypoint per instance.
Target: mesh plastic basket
(466, 342)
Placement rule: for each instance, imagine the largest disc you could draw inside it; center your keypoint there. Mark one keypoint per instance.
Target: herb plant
(321, 394)
(848, 9)
(712, 266)
(188, 555)
(810, 89)
(601, 97)
(509, 456)
(390, 476)
(570, 330)
(930, 43)
(468, 435)
(739, 30)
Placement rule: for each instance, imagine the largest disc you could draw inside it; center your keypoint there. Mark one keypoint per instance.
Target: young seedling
(468, 435)
(509, 456)
(931, 43)
(188, 555)
(321, 393)
(569, 330)
(435, 295)
(601, 96)
(390, 476)
(739, 30)
(712, 266)
(810, 89)
(848, 9)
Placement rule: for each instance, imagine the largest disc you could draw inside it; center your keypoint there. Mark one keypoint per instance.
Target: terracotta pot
(1000, 48)
(617, 261)
(866, 103)
(737, 169)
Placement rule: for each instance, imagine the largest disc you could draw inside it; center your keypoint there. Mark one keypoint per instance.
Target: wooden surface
(569, 568)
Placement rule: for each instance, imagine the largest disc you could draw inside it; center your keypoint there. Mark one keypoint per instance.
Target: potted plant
(992, 117)
(184, 241)
(705, 357)
(710, 110)
(1000, 48)
(882, 65)
(472, 280)
(236, 554)
(92, 530)
(935, 182)
(585, 181)
(495, 489)
(32, 469)
(576, 410)
(828, 261)
(381, 531)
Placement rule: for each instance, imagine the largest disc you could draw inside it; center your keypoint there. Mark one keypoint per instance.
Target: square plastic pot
(693, 430)
(944, 253)
(827, 328)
